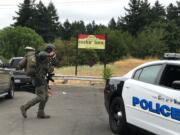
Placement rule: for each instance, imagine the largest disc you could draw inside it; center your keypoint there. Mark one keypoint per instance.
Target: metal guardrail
(82, 78)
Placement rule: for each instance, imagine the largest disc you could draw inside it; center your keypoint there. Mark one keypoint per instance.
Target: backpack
(31, 64)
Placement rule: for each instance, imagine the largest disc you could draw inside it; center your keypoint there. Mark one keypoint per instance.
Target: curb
(94, 83)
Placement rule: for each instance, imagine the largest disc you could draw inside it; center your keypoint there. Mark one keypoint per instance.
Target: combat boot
(42, 115)
(23, 111)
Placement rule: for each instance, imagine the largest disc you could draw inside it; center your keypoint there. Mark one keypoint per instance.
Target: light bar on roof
(172, 55)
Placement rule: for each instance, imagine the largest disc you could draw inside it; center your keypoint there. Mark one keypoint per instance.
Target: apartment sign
(91, 41)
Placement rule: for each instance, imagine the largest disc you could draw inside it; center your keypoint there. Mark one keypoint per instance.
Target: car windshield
(15, 62)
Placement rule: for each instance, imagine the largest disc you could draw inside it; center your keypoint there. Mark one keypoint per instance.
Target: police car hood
(116, 80)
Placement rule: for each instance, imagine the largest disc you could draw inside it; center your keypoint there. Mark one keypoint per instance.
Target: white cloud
(97, 11)
(87, 10)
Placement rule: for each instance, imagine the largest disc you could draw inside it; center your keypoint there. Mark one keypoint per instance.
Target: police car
(147, 97)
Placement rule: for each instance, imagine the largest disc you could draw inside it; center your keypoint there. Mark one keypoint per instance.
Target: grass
(118, 68)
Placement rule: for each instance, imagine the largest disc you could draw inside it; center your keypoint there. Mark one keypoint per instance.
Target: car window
(170, 74)
(137, 74)
(15, 62)
(150, 73)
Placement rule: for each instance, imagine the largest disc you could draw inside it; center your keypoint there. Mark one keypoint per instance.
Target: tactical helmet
(29, 48)
(43, 56)
(50, 47)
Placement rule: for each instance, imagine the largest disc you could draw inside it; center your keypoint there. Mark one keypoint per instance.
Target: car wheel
(11, 90)
(117, 118)
(16, 88)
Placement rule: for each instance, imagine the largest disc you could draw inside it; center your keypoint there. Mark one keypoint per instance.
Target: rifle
(49, 77)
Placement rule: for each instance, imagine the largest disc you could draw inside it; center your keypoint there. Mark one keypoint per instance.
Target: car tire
(11, 90)
(117, 117)
(16, 88)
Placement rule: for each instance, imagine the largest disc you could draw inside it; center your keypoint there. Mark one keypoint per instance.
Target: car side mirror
(176, 84)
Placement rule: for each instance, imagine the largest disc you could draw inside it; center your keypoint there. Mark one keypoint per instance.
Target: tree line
(144, 31)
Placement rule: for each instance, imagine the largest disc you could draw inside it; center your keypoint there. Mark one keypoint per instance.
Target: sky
(87, 10)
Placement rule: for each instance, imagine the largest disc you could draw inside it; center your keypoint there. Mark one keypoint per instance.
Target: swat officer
(40, 82)
(23, 63)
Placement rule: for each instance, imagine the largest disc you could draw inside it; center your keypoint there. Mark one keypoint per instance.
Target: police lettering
(157, 108)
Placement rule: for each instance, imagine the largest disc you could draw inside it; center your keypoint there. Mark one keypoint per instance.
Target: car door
(149, 105)
(1, 80)
(4, 80)
(2, 75)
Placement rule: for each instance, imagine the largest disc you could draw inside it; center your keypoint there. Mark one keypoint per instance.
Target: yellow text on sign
(91, 42)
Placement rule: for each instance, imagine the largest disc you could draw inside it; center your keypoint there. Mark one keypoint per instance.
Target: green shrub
(13, 40)
(107, 73)
(4, 60)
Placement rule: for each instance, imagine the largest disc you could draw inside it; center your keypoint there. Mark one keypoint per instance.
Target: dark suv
(19, 78)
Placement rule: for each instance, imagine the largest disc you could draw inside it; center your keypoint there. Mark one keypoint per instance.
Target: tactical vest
(31, 64)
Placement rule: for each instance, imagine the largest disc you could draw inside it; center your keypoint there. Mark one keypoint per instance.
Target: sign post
(76, 56)
(105, 51)
(85, 41)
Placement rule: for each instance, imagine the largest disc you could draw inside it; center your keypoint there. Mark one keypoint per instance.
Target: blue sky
(87, 10)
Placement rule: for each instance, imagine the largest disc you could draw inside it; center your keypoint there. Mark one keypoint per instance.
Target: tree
(41, 20)
(137, 16)
(172, 12)
(177, 19)
(158, 12)
(14, 39)
(149, 43)
(87, 57)
(67, 30)
(117, 45)
(44, 20)
(130, 21)
(100, 27)
(78, 27)
(91, 28)
(53, 22)
(112, 24)
(66, 55)
(172, 37)
(119, 24)
(25, 13)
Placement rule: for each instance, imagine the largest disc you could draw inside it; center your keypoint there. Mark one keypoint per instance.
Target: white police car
(147, 97)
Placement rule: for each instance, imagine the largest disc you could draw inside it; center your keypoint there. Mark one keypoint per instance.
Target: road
(73, 110)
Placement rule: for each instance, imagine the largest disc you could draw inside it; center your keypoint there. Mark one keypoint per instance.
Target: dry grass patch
(118, 68)
(123, 66)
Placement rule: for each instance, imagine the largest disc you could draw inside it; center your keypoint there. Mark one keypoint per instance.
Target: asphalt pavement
(74, 111)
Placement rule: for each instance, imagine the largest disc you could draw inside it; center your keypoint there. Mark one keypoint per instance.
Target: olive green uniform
(41, 98)
(40, 83)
